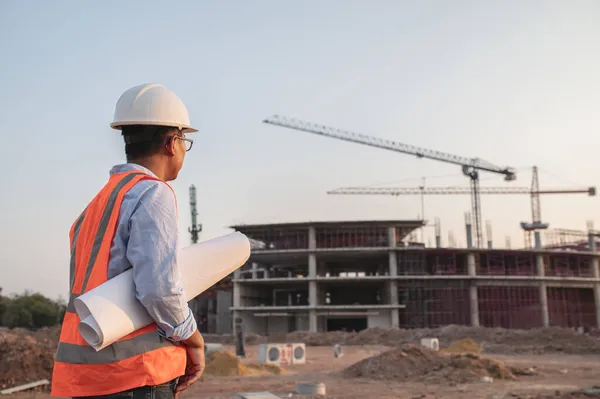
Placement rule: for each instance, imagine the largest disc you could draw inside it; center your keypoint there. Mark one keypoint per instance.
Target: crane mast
(196, 228)
(470, 166)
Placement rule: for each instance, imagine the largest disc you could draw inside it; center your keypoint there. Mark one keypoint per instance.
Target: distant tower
(196, 228)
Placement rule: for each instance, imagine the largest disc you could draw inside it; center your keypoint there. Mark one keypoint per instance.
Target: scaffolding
(431, 304)
(509, 307)
(377, 283)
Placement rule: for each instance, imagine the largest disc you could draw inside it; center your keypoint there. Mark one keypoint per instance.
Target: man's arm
(152, 251)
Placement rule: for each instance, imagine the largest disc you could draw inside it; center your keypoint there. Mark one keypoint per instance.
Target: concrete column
(254, 270)
(541, 272)
(237, 274)
(312, 238)
(235, 326)
(312, 294)
(393, 263)
(595, 270)
(539, 265)
(312, 285)
(544, 305)
(473, 297)
(392, 236)
(597, 303)
(312, 321)
(471, 267)
(537, 239)
(393, 300)
(474, 302)
(237, 295)
(312, 266)
(469, 232)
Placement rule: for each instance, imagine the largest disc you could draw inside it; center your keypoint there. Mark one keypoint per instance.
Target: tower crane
(196, 228)
(534, 191)
(470, 166)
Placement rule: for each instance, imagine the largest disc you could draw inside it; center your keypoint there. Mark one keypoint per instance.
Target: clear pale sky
(514, 82)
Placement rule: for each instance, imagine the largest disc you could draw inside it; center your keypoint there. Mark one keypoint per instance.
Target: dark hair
(142, 141)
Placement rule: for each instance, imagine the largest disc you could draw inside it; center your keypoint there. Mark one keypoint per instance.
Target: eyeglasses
(188, 142)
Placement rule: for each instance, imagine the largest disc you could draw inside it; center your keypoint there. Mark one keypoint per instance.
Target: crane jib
(470, 165)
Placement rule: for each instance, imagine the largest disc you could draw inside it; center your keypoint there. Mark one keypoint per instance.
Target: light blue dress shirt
(146, 239)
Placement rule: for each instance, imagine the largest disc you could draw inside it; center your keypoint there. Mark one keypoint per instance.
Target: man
(132, 224)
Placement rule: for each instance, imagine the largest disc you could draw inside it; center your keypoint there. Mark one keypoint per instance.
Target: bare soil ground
(543, 369)
(555, 376)
(554, 373)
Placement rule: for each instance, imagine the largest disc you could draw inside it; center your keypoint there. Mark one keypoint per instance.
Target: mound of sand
(226, 364)
(466, 345)
(415, 363)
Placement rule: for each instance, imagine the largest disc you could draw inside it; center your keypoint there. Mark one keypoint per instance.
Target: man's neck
(153, 165)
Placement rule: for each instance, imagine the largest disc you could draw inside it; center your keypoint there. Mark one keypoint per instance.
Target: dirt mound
(414, 363)
(226, 364)
(25, 356)
(558, 395)
(492, 340)
(466, 345)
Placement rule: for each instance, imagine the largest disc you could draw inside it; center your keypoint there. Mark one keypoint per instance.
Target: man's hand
(195, 362)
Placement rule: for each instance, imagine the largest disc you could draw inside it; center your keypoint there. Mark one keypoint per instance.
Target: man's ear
(170, 145)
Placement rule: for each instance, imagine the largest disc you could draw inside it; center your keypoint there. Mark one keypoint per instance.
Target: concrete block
(211, 348)
(255, 395)
(310, 388)
(431, 343)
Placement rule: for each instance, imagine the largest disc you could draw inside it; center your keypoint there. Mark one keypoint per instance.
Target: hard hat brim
(184, 128)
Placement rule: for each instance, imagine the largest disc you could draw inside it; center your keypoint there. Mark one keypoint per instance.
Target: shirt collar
(126, 167)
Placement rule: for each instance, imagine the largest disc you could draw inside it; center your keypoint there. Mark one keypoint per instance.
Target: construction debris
(24, 387)
(415, 363)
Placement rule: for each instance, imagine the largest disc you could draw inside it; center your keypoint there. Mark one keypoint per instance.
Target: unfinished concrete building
(323, 276)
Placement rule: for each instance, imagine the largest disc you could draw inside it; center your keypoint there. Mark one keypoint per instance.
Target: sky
(515, 83)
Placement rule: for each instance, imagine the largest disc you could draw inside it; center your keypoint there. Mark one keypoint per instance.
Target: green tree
(32, 311)
(3, 305)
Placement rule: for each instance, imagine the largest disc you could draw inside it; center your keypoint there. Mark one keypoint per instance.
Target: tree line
(30, 311)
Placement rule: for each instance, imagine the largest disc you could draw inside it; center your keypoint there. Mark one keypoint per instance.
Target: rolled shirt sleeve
(152, 251)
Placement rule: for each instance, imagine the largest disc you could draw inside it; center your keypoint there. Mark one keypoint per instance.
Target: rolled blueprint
(111, 311)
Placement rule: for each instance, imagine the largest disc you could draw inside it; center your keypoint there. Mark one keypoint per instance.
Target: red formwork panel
(501, 263)
(568, 265)
(430, 306)
(509, 307)
(351, 237)
(571, 307)
(273, 238)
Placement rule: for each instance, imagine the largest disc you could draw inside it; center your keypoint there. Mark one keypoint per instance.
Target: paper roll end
(91, 332)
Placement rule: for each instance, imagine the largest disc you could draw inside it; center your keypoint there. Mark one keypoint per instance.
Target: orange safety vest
(139, 359)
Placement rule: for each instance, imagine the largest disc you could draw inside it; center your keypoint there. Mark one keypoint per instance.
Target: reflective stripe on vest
(142, 357)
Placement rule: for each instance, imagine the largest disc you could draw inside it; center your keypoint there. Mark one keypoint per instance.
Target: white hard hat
(151, 104)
